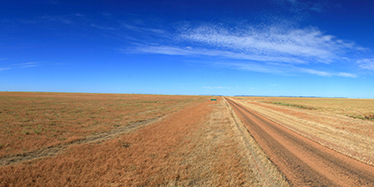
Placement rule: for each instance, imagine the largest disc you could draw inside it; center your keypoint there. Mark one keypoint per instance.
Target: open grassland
(199, 145)
(30, 121)
(355, 108)
(344, 125)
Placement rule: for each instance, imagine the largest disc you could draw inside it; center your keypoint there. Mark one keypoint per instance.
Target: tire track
(264, 175)
(304, 162)
(54, 150)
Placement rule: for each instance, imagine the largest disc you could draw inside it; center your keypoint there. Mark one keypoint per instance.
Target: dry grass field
(194, 143)
(355, 108)
(344, 125)
(30, 121)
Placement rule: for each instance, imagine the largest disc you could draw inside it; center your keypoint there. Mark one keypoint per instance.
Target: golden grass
(195, 146)
(142, 158)
(30, 121)
(211, 154)
(355, 108)
(328, 124)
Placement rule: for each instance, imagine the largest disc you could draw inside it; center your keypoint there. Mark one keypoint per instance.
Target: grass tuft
(295, 105)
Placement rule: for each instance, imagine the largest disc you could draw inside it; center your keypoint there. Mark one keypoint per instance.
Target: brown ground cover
(30, 121)
(197, 146)
(304, 162)
(355, 108)
(328, 123)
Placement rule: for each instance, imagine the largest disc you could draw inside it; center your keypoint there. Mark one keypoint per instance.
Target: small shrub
(369, 116)
(295, 105)
(25, 132)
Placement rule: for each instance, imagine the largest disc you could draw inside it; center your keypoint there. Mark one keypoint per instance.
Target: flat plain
(303, 149)
(76, 139)
(30, 121)
(344, 125)
(81, 139)
(355, 108)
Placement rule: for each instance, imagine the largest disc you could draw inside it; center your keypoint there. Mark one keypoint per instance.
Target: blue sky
(269, 47)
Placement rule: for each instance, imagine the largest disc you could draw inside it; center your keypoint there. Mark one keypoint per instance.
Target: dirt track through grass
(352, 137)
(305, 163)
(196, 146)
(265, 171)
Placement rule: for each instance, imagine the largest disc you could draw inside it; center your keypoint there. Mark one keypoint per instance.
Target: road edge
(266, 172)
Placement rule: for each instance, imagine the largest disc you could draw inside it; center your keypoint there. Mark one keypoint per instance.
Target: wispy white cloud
(216, 87)
(366, 64)
(275, 44)
(317, 7)
(1, 59)
(144, 29)
(254, 67)
(302, 7)
(281, 49)
(102, 27)
(342, 74)
(66, 19)
(22, 65)
(276, 85)
(282, 69)
(27, 65)
(187, 51)
(59, 18)
(166, 50)
(315, 72)
(326, 74)
(272, 42)
(2, 69)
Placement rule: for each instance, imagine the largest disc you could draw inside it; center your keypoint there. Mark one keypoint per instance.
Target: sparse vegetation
(294, 105)
(191, 147)
(344, 125)
(355, 108)
(36, 120)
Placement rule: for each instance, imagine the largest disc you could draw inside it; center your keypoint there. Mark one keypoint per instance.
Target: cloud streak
(270, 49)
(144, 30)
(307, 45)
(189, 51)
(2, 69)
(282, 69)
(216, 87)
(62, 19)
(326, 74)
(28, 64)
(366, 64)
(22, 65)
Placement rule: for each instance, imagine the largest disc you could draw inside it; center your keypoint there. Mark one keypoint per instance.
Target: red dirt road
(303, 161)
